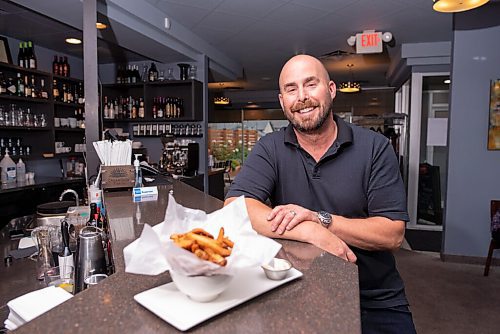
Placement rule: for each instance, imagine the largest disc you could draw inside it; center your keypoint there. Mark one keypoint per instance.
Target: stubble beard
(312, 123)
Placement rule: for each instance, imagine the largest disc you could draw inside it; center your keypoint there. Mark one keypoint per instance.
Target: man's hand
(286, 217)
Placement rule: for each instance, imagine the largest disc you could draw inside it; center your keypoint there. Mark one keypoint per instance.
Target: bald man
(334, 185)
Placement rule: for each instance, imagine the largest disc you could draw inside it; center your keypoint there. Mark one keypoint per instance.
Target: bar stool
(495, 233)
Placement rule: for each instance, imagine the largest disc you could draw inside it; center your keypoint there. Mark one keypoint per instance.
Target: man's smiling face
(306, 93)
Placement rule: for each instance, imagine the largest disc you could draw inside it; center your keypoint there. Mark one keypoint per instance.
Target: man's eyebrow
(290, 84)
(311, 78)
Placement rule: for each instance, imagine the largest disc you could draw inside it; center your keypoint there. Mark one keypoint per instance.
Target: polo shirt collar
(344, 133)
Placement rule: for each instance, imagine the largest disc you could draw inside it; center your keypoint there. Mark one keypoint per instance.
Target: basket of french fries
(202, 252)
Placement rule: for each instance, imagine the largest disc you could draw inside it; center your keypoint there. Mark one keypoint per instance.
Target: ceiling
(259, 34)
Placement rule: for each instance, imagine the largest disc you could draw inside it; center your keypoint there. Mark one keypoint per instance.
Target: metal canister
(90, 256)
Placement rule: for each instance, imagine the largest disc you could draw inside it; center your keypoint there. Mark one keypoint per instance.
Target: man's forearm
(374, 233)
(257, 212)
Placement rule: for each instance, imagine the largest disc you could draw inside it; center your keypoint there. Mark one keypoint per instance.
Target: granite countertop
(325, 299)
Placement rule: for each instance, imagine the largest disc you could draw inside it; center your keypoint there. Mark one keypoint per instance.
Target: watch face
(325, 218)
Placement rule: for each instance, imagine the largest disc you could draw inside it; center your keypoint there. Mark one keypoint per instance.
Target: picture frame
(5, 56)
(494, 116)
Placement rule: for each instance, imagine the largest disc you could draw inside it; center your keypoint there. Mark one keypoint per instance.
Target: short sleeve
(386, 192)
(257, 177)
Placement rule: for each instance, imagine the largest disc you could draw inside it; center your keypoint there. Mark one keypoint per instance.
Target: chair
(495, 237)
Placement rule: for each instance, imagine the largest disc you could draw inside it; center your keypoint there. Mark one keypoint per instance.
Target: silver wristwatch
(325, 218)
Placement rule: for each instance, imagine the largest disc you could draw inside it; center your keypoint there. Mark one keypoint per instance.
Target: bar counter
(324, 300)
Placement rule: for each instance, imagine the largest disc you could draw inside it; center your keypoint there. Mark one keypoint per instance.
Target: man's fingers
(351, 257)
(293, 222)
(277, 220)
(285, 222)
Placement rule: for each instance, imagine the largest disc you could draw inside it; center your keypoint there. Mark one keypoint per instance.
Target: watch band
(325, 218)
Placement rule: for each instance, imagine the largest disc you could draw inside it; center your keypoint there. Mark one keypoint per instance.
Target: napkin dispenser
(117, 177)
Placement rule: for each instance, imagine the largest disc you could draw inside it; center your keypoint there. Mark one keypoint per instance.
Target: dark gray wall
(474, 172)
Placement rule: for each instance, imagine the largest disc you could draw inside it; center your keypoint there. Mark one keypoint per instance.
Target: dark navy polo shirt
(358, 177)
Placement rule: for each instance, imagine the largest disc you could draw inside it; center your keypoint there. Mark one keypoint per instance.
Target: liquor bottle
(106, 109)
(27, 87)
(20, 85)
(70, 93)
(141, 108)
(64, 93)
(55, 90)
(26, 55)
(34, 91)
(3, 84)
(20, 55)
(43, 92)
(81, 98)
(160, 108)
(153, 73)
(93, 215)
(55, 66)
(155, 112)
(66, 69)
(32, 56)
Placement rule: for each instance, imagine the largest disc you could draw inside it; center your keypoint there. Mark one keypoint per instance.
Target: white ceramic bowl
(277, 269)
(201, 288)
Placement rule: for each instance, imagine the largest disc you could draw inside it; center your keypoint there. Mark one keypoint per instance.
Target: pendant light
(221, 99)
(454, 6)
(350, 86)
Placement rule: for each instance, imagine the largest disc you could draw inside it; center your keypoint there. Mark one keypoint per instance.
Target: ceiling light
(447, 81)
(454, 6)
(350, 86)
(221, 100)
(72, 40)
(100, 25)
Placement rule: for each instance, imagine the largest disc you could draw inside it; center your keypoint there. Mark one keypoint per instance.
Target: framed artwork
(494, 121)
(5, 51)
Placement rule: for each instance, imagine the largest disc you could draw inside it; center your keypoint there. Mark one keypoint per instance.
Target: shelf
(24, 70)
(124, 85)
(147, 120)
(63, 129)
(67, 104)
(23, 128)
(24, 99)
(60, 77)
(170, 82)
(70, 154)
(175, 136)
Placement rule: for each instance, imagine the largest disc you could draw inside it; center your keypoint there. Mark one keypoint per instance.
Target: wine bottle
(20, 55)
(32, 57)
(55, 66)
(27, 87)
(26, 55)
(34, 91)
(93, 213)
(3, 84)
(55, 90)
(43, 92)
(20, 85)
(141, 108)
(153, 73)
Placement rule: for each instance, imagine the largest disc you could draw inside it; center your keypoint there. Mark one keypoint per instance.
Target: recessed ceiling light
(72, 40)
(100, 25)
(447, 81)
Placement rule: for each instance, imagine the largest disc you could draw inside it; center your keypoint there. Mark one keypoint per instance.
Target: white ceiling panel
(250, 8)
(294, 14)
(325, 5)
(204, 4)
(188, 16)
(222, 21)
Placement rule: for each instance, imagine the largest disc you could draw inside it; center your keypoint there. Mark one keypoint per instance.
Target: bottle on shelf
(20, 85)
(8, 169)
(20, 55)
(27, 87)
(11, 86)
(31, 56)
(43, 91)
(66, 67)
(55, 66)
(153, 73)
(141, 108)
(34, 90)
(55, 90)
(20, 171)
(81, 98)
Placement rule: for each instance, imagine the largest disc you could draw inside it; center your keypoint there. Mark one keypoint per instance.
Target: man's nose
(303, 95)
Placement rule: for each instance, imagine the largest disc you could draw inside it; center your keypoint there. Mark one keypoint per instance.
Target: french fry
(206, 242)
(203, 245)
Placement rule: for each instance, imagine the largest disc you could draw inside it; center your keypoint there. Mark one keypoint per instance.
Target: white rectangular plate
(177, 309)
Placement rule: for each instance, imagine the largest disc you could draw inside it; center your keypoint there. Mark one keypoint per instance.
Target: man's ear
(280, 97)
(333, 89)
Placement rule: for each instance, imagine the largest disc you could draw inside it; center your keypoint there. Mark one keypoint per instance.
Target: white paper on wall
(437, 131)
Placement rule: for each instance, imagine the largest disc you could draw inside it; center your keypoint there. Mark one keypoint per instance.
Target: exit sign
(369, 42)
